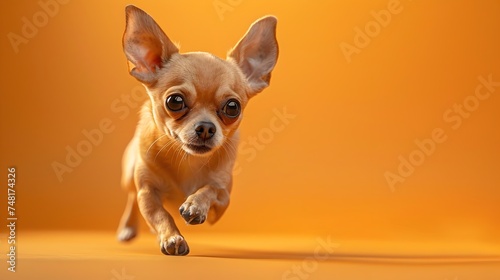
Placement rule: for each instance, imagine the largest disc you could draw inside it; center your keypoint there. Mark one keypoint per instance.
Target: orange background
(323, 173)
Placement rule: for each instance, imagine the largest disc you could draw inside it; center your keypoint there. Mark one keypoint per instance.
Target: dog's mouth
(197, 149)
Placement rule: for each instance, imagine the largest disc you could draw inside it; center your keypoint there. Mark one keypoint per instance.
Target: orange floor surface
(97, 255)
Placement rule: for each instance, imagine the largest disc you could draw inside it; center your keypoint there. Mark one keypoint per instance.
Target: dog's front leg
(150, 205)
(207, 199)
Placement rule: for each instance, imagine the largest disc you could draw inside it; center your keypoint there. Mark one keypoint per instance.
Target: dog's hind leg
(129, 221)
(127, 229)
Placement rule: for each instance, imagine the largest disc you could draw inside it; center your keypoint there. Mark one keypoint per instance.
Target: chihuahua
(184, 148)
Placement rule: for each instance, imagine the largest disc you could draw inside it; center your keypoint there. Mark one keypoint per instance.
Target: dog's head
(197, 98)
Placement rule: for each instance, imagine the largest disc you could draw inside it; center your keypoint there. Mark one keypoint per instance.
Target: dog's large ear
(145, 45)
(257, 52)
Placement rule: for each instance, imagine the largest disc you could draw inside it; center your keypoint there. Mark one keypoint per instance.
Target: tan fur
(160, 165)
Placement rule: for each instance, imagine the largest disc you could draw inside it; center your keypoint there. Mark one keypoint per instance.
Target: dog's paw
(127, 234)
(193, 213)
(174, 245)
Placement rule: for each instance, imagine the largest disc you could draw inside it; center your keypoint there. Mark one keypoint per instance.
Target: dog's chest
(184, 180)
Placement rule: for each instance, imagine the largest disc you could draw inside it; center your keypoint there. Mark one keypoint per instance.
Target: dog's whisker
(170, 148)
(163, 147)
(188, 159)
(219, 157)
(150, 146)
(181, 160)
(205, 163)
(231, 148)
(170, 143)
(176, 153)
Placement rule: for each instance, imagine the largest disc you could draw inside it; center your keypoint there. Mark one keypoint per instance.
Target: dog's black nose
(205, 130)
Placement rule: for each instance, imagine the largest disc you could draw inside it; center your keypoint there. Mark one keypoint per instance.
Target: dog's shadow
(330, 255)
(346, 257)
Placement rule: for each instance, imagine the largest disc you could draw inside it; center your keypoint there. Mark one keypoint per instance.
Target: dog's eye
(175, 102)
(232, 108)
